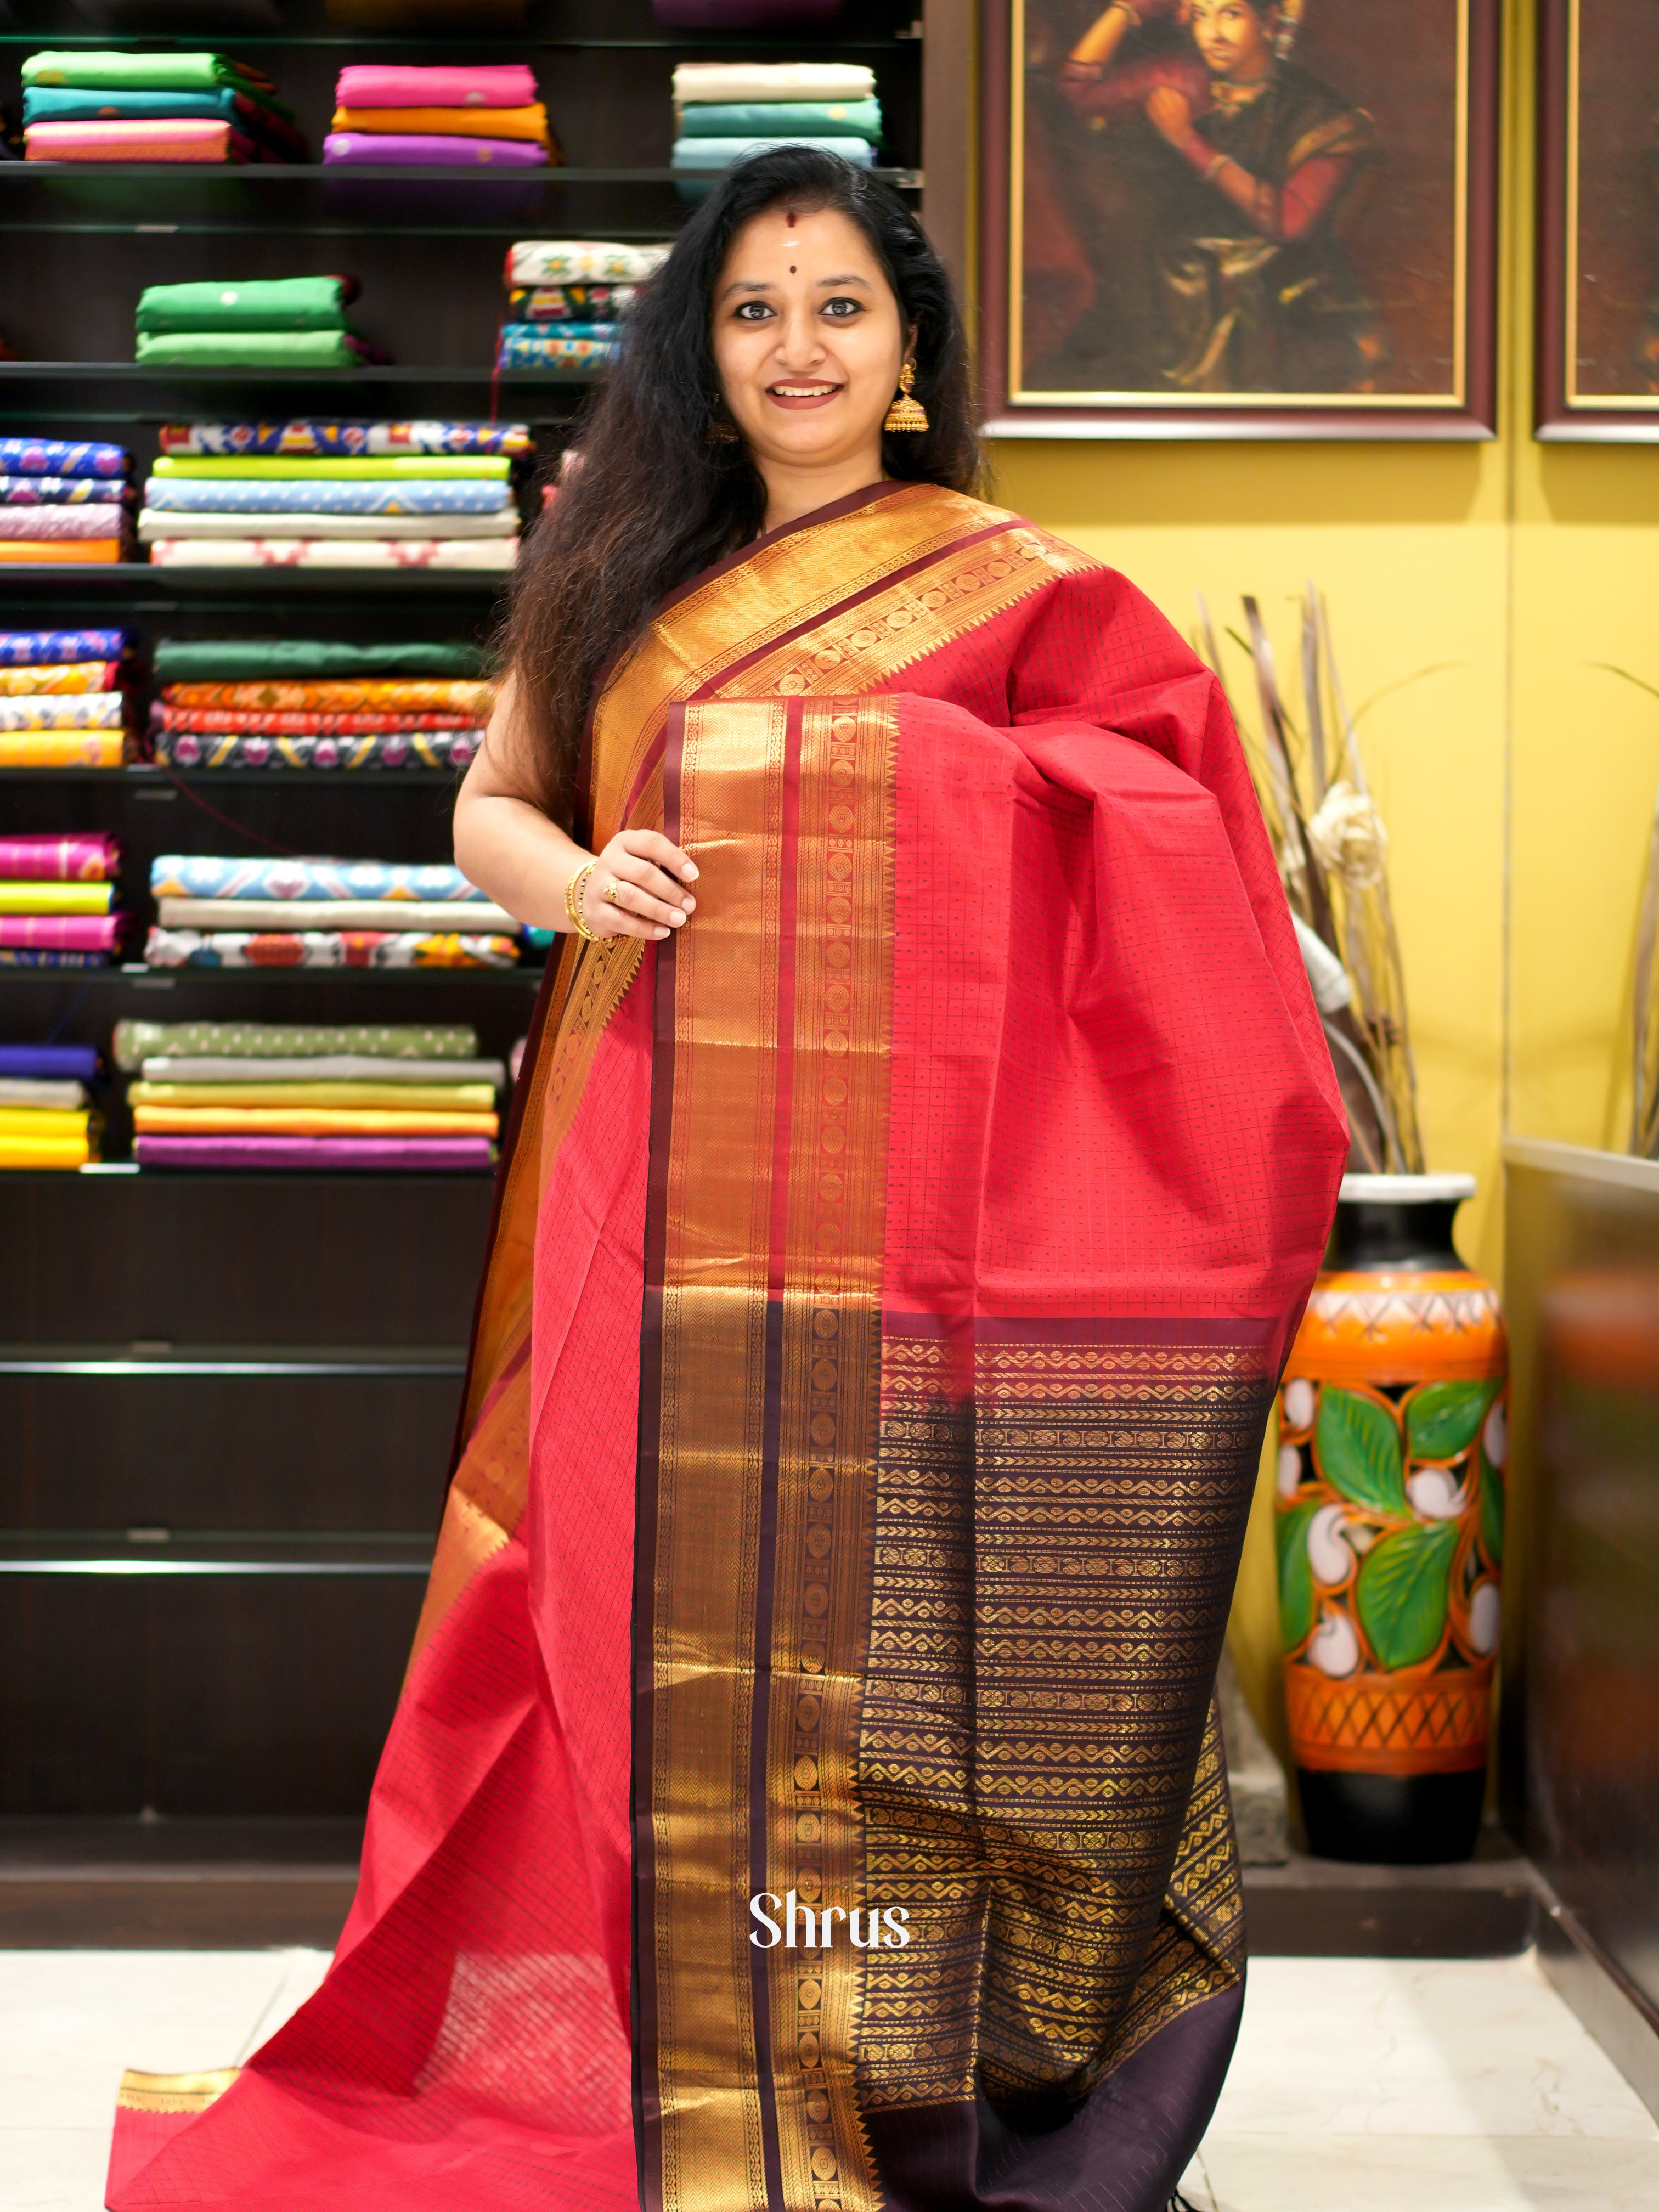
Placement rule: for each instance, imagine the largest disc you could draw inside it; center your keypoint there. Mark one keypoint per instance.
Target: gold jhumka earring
(906, 413)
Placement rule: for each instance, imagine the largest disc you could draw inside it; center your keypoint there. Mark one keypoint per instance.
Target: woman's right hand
(650, 874)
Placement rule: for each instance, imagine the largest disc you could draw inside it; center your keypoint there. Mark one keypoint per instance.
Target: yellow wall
(1517, 783)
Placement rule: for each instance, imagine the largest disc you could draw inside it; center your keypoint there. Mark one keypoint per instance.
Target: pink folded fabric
(377, 84)
(60, 521)
(61, 933)
(72, 860)
(394, 149)
(181, 139)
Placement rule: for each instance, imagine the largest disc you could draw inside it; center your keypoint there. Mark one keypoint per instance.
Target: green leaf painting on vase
(1444, 1418)
(1401, 1595)
(1296, 1590)
(1492, 1511)
(1357, 1445)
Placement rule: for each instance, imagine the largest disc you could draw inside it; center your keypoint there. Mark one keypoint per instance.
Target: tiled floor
(1360, 2085)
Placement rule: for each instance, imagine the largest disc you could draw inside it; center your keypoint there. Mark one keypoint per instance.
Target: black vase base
(1390, 1819)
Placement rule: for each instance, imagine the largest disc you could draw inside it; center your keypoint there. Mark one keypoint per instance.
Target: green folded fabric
(249, 349)
(267, 305)
(249, 660)
(119, 72)
(426, 466)
(783, 119)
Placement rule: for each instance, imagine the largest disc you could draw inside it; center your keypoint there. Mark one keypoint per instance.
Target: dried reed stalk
(1329, 841)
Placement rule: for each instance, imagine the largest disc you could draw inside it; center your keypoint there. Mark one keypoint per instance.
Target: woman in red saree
(806, 1791)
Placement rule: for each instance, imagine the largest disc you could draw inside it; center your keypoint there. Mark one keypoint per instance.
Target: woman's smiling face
(808, 343)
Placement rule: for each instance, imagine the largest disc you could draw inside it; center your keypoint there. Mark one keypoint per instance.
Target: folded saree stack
(488, 117)
(313, 703)
(169, 107)
(58, 901)
(284, 322)
(63, 499)
(391, 495)
(46, 1117)
(215, 912)
(724, 110)
(292, 1095)
(566, 298)
(61, 703)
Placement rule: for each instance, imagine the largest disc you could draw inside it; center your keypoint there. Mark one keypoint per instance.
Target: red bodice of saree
(890, 1278)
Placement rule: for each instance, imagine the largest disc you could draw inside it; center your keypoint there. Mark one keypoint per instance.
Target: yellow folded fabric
(304, 1122)
(55, 898)
(449, 121)
(44, 1151)
(62, 548)
(61, 749)
(57, 676)
(37, 1121)
(403, 1098)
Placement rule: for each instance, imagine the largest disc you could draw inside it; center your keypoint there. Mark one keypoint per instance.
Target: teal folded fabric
(720, 153)
(119, 72)
(249, 349)
(267, 305)
(44, 103)
(248, 659)
(784, 118)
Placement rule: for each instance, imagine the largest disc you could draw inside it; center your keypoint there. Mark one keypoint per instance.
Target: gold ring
(613, 891)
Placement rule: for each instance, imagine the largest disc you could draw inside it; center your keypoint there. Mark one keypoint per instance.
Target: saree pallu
(185, 748)
(136, 1041)
(890, 1278)
(326, 441)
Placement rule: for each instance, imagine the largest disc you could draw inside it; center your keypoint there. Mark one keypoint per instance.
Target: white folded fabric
(582, 261)
(722, 83)
(332, 553)
(166, 522)
(326, 1067)
(43, 1092)
(476, 916)
(60, 710)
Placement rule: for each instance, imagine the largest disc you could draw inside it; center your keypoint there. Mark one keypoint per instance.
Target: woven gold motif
(1054, 1566)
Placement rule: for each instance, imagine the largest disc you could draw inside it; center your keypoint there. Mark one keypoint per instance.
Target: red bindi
(792, 269)
(790, 218)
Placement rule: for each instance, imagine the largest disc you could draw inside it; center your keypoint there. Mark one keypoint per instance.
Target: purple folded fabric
(395, 149)
(76, 1063)
(312, 1152)
(381, 84)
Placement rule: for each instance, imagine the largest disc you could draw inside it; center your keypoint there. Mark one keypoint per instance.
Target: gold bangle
(573, 899)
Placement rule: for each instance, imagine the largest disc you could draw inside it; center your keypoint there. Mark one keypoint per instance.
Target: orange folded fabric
(449, 121)
(60, 549)
(62, 749)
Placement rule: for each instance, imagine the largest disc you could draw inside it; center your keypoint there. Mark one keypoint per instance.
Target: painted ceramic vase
(1391, 1528)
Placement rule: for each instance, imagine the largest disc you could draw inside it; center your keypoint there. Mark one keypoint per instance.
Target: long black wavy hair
(654, 500)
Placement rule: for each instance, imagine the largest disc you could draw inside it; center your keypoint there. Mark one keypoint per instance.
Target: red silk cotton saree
(807, 1795)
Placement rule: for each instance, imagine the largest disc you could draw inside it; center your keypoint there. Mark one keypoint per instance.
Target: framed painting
(1239, 218)
(1598, 227)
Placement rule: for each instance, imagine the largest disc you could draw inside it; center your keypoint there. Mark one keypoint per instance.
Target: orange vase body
(1392, 1446)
